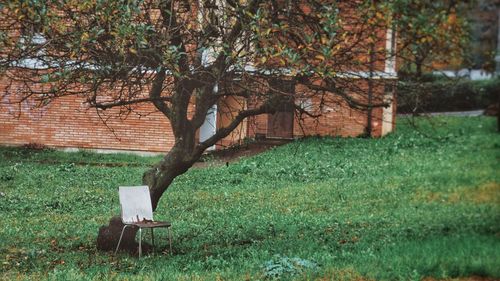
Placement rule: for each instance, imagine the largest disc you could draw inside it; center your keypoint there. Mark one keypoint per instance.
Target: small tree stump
(108, 237)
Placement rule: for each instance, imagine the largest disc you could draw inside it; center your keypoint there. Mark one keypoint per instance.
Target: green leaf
(45, 78)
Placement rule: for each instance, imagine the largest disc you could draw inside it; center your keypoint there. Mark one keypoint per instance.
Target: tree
(430, 33)
(185, 56)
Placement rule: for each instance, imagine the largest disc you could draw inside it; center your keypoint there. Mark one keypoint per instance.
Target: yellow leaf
(85, 36)
(320, 57)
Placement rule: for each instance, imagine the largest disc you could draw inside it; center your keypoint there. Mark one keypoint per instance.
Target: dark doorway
(280, 124)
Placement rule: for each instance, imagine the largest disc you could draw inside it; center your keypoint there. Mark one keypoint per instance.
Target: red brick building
(67, 123)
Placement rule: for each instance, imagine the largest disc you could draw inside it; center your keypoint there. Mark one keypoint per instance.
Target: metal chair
(137, 211)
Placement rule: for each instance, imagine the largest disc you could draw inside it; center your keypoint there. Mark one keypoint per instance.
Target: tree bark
(159, 178)
(418, 69)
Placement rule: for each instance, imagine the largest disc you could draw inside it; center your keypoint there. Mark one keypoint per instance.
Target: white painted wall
(472, 74)
(209, 127)
(390, 47)
(388, 115)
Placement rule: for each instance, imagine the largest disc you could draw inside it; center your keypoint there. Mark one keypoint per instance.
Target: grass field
(423, 202)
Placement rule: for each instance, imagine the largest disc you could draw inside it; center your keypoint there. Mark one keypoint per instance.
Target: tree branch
(155, 93)
(225, 131)
(108, 105)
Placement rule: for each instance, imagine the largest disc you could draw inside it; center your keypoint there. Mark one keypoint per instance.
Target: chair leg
(120, 240)
(140, 242)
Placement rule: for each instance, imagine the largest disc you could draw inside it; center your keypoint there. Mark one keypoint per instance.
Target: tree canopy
(431, 33)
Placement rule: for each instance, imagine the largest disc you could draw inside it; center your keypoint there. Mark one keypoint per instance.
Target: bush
(446, 95)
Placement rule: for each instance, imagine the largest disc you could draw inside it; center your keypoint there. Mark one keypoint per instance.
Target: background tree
(184, 57)
(430, 33)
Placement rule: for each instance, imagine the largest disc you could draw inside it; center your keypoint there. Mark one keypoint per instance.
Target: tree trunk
(418, 73)
(158, 178)
(161, 175)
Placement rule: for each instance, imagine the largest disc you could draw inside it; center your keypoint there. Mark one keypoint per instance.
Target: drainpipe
(497, 57)
(369, 127)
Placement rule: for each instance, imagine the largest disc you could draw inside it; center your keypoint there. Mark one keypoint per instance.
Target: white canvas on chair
(135, 203)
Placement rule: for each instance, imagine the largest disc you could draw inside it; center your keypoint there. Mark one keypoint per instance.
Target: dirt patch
(471, 278)
(233, 154)
(98, 164)
(211, 158)
(488, 193)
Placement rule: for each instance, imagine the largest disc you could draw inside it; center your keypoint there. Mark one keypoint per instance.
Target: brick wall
(67, 122)
(336, 118)
(339, 119)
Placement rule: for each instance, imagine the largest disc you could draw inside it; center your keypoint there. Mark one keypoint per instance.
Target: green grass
(424, 201)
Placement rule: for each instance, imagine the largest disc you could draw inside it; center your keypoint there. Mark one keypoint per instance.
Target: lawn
(422, 202)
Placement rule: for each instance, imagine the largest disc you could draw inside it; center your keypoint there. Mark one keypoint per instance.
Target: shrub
(281, 266)
(446, 95)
